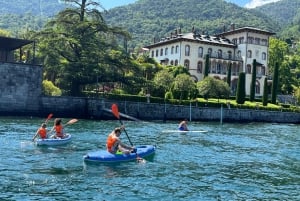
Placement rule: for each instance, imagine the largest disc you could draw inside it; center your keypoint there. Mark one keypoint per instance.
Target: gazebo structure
(11, 50)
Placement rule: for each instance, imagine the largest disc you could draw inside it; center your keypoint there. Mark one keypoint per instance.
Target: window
(257, 87)
(176, 62)
(250, 40)
(156, 54)
(219, 53)
(239, 54)
(187, 50)
(234, 41)
(161, 52)
(248, 69)
(177, 49)
(166, 51)
(241, 40)
(199, 67)
(263, 56)
(172, 62)
(152, 53)
(256, 53)
(172, 50)
(229, 54)
(209, 51)
(200, 52)
(257, 41)
(249, 54)
(264, 42)
(187, 64)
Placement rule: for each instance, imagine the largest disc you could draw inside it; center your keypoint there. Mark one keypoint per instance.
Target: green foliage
(210, 87)
(253, 81)
(241, 91)
(49, 89)
(275, 84)
(184, 87)
(265, 93)
(169, 95)
(206, 67)
(228, 78)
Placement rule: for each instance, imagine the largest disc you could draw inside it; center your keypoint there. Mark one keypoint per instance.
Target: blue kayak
(104, 156)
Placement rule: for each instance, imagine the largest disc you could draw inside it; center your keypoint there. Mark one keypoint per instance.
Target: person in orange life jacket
(42, 132)
(183, 126)
(59, 129)
(114, 144)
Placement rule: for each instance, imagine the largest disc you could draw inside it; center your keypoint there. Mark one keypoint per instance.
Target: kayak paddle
(115, 111)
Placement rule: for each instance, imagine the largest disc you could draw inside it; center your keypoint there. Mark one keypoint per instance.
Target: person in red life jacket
(58, 128)
(114, 144)
(41, 132)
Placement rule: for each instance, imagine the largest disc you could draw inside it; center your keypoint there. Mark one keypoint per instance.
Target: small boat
(103, 156)
(179, 131)
(55, 141)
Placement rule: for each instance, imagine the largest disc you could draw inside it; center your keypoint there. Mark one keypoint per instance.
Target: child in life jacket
(41, 132)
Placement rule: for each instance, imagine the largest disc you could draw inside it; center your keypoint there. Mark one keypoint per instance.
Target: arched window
(172, 50)
(200, 52)
(187, 64)
(249, 54)
(176, 49)
(152, 53)
(229, 54)
(209, 51)
(248, 69)
(257, 87)
(219, 53)
(161, 52)
(239, 54)
(187, 50)
(172, 62)
(199, 67)
(166, 51)
(264, 56)
(176, 62)
(156, 54)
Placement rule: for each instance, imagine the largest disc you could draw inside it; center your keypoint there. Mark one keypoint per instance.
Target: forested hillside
(155, 18)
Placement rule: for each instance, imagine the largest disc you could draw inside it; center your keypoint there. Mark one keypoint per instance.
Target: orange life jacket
(110, 142)
(42, 132)
(59, 131)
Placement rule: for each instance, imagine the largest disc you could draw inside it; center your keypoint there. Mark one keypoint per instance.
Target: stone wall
(20, 87)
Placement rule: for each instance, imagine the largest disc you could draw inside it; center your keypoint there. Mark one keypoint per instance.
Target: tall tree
(253, 81)
(241, 90)
(228, 79)
(82, 47)
(206, 67)
(275, 83)
(265, 93)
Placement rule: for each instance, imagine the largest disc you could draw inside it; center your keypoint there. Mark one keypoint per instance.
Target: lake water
(255, 161)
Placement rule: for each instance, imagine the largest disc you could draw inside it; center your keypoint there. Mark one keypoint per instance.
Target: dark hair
(57, 121)
(118, 129)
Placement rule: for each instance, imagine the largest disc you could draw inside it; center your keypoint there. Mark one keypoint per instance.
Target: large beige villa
(237, 46)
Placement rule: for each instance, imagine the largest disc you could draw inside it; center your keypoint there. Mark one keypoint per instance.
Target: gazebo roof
(10, 44)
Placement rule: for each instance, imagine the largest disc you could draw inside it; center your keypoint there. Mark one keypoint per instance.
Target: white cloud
(256, 3)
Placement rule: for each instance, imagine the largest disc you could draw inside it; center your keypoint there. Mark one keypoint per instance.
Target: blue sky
(108, 4)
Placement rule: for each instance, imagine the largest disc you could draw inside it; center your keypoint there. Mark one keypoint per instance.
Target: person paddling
(58, 128)
(41, 132)
(114, 144)
(183, 126)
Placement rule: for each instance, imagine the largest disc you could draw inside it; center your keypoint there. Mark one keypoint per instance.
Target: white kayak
(54, 141)
(179, 131)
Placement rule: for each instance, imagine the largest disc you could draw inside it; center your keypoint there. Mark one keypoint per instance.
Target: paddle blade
(49, 117)
(115, 110)
(72, 121)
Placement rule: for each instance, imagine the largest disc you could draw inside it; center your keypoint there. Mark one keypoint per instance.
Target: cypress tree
(206, 68)
(253, 81)
(241, 91)
(265, 94)
(275, 83)
(229, 75)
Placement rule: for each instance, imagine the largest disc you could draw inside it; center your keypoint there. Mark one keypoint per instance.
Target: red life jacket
(59, 131)
(42, 132)
(110, 142)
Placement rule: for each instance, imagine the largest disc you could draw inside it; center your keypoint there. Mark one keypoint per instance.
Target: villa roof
(10, 44)
(194, 37)
(246, 29)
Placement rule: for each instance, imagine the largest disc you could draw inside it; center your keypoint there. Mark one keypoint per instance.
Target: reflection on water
(230, 162)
